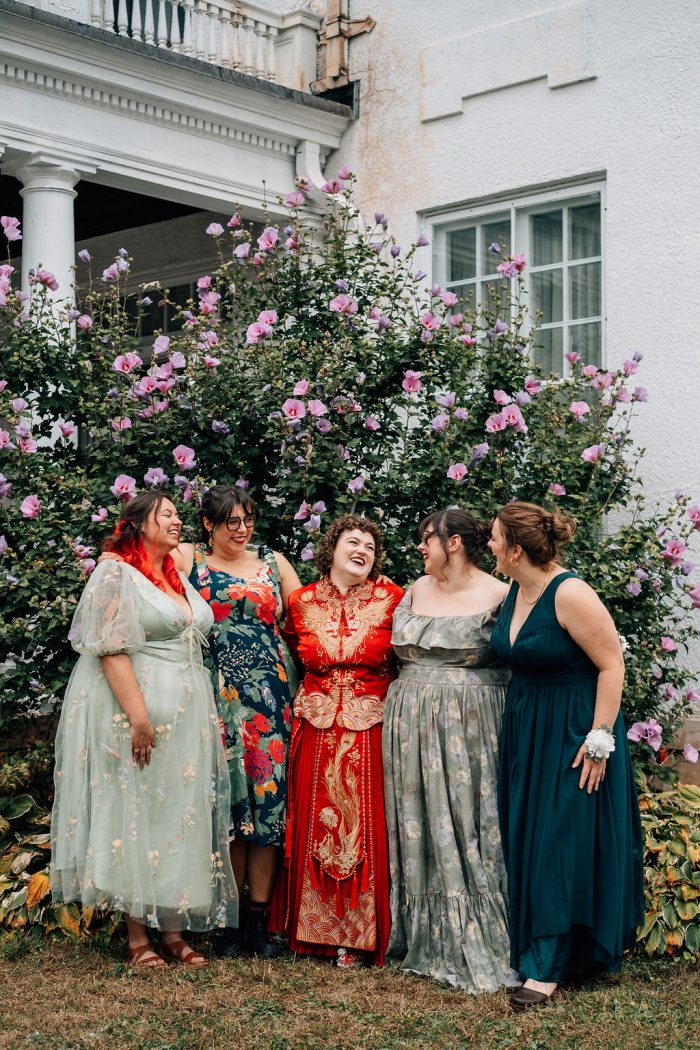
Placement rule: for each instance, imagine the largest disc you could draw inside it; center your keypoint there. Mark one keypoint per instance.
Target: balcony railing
(274, 45)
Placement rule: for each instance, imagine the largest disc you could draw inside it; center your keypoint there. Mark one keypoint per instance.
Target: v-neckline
(514, 642)
(172, 601)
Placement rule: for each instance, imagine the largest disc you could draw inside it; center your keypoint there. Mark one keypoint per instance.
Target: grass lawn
(58, 996)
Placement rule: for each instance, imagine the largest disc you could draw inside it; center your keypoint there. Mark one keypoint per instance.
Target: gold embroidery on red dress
(341, 622)
(340, 703)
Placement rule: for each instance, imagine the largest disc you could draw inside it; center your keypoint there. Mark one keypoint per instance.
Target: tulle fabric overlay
(150, 842)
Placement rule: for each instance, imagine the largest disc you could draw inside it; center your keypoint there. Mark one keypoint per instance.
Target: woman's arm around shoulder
(289, 581)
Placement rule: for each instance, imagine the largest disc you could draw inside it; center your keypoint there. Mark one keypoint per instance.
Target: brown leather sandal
(180, 952)
(137, 957)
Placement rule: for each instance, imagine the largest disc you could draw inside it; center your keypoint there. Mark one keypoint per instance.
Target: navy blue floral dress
(249, 662)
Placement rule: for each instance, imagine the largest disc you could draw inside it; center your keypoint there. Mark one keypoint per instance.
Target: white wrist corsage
(600, 743)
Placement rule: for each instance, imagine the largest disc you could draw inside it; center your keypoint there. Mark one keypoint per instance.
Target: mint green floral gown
(442, 725)
(150, 842)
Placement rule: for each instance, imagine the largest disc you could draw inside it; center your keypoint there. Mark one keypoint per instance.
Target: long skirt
(334, 891)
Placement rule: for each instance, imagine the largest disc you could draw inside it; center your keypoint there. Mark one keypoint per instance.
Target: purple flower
(10, 226)
(461, 414)
(3, 544)
(323, 425)
(499, 327)
(100, 516)
(317, 408)
(177, 360)
(422, 241)
(640, 394)
(18, 404)
(313, 523)
(242, 251)
(371, 423)
(630, 368)
(673, 550)
(495, 423)
(345, 173)
(5, 440)
(84, 322)
(294, 199)
(593, 453)
(124, 487)
(430, 322)
(634, 588)
(668, 645)
(650, 732)
(411, 381)
(342, 286)
(307, 553)
(23, 430)
(494, 248)
(419, 275)
(155, 476)
(501, 398)
(395, 250)
(111, 273)
(343, 304)
(579, 409)
(380, 218)
(294, 409)
(457, 471)
(356, 485)
(268, 239)
(257, 332)
(303, 512)
(5, 487)
(440, 422)
(507, 270)
(126, 362)
(67, 429)
(220, 428)
(214, 229)
(332, 186)
(301, 389)
(184, 457)
(690, 754)
(446, 400)
(84, 255)
(532, 385)
(556, 489)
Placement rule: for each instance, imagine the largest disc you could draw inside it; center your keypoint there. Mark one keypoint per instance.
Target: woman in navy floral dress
(247, 587)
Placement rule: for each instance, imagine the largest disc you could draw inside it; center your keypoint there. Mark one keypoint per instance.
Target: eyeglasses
(234, 524)
(428, 536)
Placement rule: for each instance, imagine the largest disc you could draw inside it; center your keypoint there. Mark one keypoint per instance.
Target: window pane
(497, 294)
(152, 316)
(546, 238)
(466, 293)
(585, 340)
(461, 254)
(546, 290)
(584, 230)
(584, 287)
(548, 350)
(497, 232)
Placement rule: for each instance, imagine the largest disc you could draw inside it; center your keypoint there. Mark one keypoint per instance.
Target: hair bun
(482, 533)
(561, 526)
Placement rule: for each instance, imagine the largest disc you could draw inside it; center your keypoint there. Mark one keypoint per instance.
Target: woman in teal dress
(247, 587)
(567, 799)
(141, 809)
(442, 726)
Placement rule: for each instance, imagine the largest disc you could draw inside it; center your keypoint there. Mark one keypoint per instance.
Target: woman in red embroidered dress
(339, 628)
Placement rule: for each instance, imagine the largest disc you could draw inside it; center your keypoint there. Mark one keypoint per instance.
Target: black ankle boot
(255, 938)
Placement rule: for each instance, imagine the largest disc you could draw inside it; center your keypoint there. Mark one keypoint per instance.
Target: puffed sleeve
(106, 621)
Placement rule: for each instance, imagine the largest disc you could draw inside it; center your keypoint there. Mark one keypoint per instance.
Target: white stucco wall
(610, 87)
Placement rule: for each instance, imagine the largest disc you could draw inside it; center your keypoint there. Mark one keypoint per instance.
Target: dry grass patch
(63, 997)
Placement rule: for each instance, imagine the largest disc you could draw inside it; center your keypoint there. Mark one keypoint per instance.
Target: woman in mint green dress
(567, 799)
(141, 813)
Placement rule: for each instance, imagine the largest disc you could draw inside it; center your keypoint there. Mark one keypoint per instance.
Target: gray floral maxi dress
(441, 729)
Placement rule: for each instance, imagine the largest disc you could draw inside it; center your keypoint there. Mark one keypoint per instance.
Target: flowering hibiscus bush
(321, 371)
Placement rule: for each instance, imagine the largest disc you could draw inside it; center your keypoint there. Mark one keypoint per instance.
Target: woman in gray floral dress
(441, 729)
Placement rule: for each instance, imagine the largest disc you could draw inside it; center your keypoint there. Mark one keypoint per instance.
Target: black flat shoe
(524, 998)
(228, 944)
(255, 938)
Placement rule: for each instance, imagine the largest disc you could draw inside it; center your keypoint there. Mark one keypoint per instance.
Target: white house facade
(567, 128)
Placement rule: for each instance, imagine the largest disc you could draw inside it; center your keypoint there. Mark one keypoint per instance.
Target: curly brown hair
(540, 532)
(346, 523)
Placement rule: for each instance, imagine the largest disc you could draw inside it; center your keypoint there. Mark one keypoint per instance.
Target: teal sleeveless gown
(574, 860)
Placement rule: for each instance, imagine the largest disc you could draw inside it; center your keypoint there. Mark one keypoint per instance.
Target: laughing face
(499, 549)
(433, 554)
(162, 527)
(233, 535)
(354, 555)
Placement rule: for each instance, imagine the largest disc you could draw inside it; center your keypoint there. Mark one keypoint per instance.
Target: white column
(48, 226)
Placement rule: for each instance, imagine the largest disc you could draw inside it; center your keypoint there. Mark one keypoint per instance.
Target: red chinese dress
(337, 871)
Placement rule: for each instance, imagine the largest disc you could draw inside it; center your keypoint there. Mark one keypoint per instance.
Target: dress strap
(200, 563)
(267, 557)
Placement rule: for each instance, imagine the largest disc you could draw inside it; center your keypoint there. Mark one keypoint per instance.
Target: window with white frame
(561, 235)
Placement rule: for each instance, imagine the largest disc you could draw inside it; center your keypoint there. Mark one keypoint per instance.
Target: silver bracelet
(600, 743)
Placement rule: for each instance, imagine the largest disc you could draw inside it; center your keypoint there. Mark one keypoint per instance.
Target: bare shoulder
(282, 561)
(575, 597)
(495, 590)
(183, 556)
